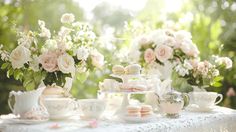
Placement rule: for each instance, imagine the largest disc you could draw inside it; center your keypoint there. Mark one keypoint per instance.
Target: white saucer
(196, 108)
(61, 117)
(25, 121)
(131, 119)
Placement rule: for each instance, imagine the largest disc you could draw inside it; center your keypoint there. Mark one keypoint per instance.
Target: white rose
(163, 53)
(19, 56)
(82, 53)
(182, 34)
(34, 64)
(158, 37)
(66, 63)
(97, 59)
(67, 18)
(51, 44)
(189, 48)
(224, 61)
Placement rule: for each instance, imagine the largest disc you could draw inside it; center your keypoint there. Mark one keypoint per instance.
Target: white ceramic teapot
(25, 101)
(159, 87)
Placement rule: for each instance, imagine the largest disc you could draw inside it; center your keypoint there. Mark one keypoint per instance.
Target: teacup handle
(74, 105)
(186, 99)
(9, 101)
(221, 98)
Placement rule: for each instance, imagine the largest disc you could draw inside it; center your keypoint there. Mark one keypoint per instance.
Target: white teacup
(109, 85)
(59, 108)
(92, 108)
(206, 99)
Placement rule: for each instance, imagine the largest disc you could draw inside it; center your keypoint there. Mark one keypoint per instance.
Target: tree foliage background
(211, 22)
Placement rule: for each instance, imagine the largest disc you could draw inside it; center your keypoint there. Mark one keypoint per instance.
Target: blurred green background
(211, 22)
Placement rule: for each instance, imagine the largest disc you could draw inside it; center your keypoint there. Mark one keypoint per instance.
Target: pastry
(133, 69)
(146, 110)
(133, 111)
(118, 70)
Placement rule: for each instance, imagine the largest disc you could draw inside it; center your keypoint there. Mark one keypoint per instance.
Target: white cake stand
(125, 101)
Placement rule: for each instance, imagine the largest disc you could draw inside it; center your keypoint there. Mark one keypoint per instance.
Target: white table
(219, 120)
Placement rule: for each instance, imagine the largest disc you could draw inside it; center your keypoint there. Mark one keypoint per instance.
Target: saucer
(61, 117)
(26, 121)
(196, 108)
(131, 119)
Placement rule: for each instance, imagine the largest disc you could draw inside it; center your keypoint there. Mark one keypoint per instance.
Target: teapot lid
(172, 95)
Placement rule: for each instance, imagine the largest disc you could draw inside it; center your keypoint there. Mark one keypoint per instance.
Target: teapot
(171, 103)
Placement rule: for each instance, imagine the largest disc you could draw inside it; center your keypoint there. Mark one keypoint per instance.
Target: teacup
(109, 85)
(91, 108)
(59, 108)
(206, 99)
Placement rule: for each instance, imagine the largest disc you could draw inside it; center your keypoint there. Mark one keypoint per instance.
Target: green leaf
(4, 66)
(30, 86)
(217, 84)
(218, 78)
(82, 77)
(10, 72)
(26, 82)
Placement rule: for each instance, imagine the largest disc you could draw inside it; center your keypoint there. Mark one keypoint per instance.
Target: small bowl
(92, 108)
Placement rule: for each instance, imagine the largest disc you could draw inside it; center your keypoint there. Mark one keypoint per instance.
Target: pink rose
(49, 61)
(149, 55)
(163, 53)
(203, 67)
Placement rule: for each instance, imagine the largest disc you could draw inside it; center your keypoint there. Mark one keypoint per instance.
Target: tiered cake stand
(126, 94)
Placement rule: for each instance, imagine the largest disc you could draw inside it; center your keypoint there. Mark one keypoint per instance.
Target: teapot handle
(186, 99)
(158, 97)
(9, 101)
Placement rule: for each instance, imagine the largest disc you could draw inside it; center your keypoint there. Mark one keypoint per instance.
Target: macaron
(133, 69)
(145, 114)
(118, 70)
(146, 110)
(133, 110)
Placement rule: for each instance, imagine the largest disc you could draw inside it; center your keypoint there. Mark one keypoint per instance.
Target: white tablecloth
(219, 120)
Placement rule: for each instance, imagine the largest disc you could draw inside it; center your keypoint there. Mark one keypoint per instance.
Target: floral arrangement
(203, 74)
(53, 57)
(161, 46)
(175, 51)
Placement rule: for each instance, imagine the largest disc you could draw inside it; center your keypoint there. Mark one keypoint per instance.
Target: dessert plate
(25, 121)
(196, 108)
(131, 119)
